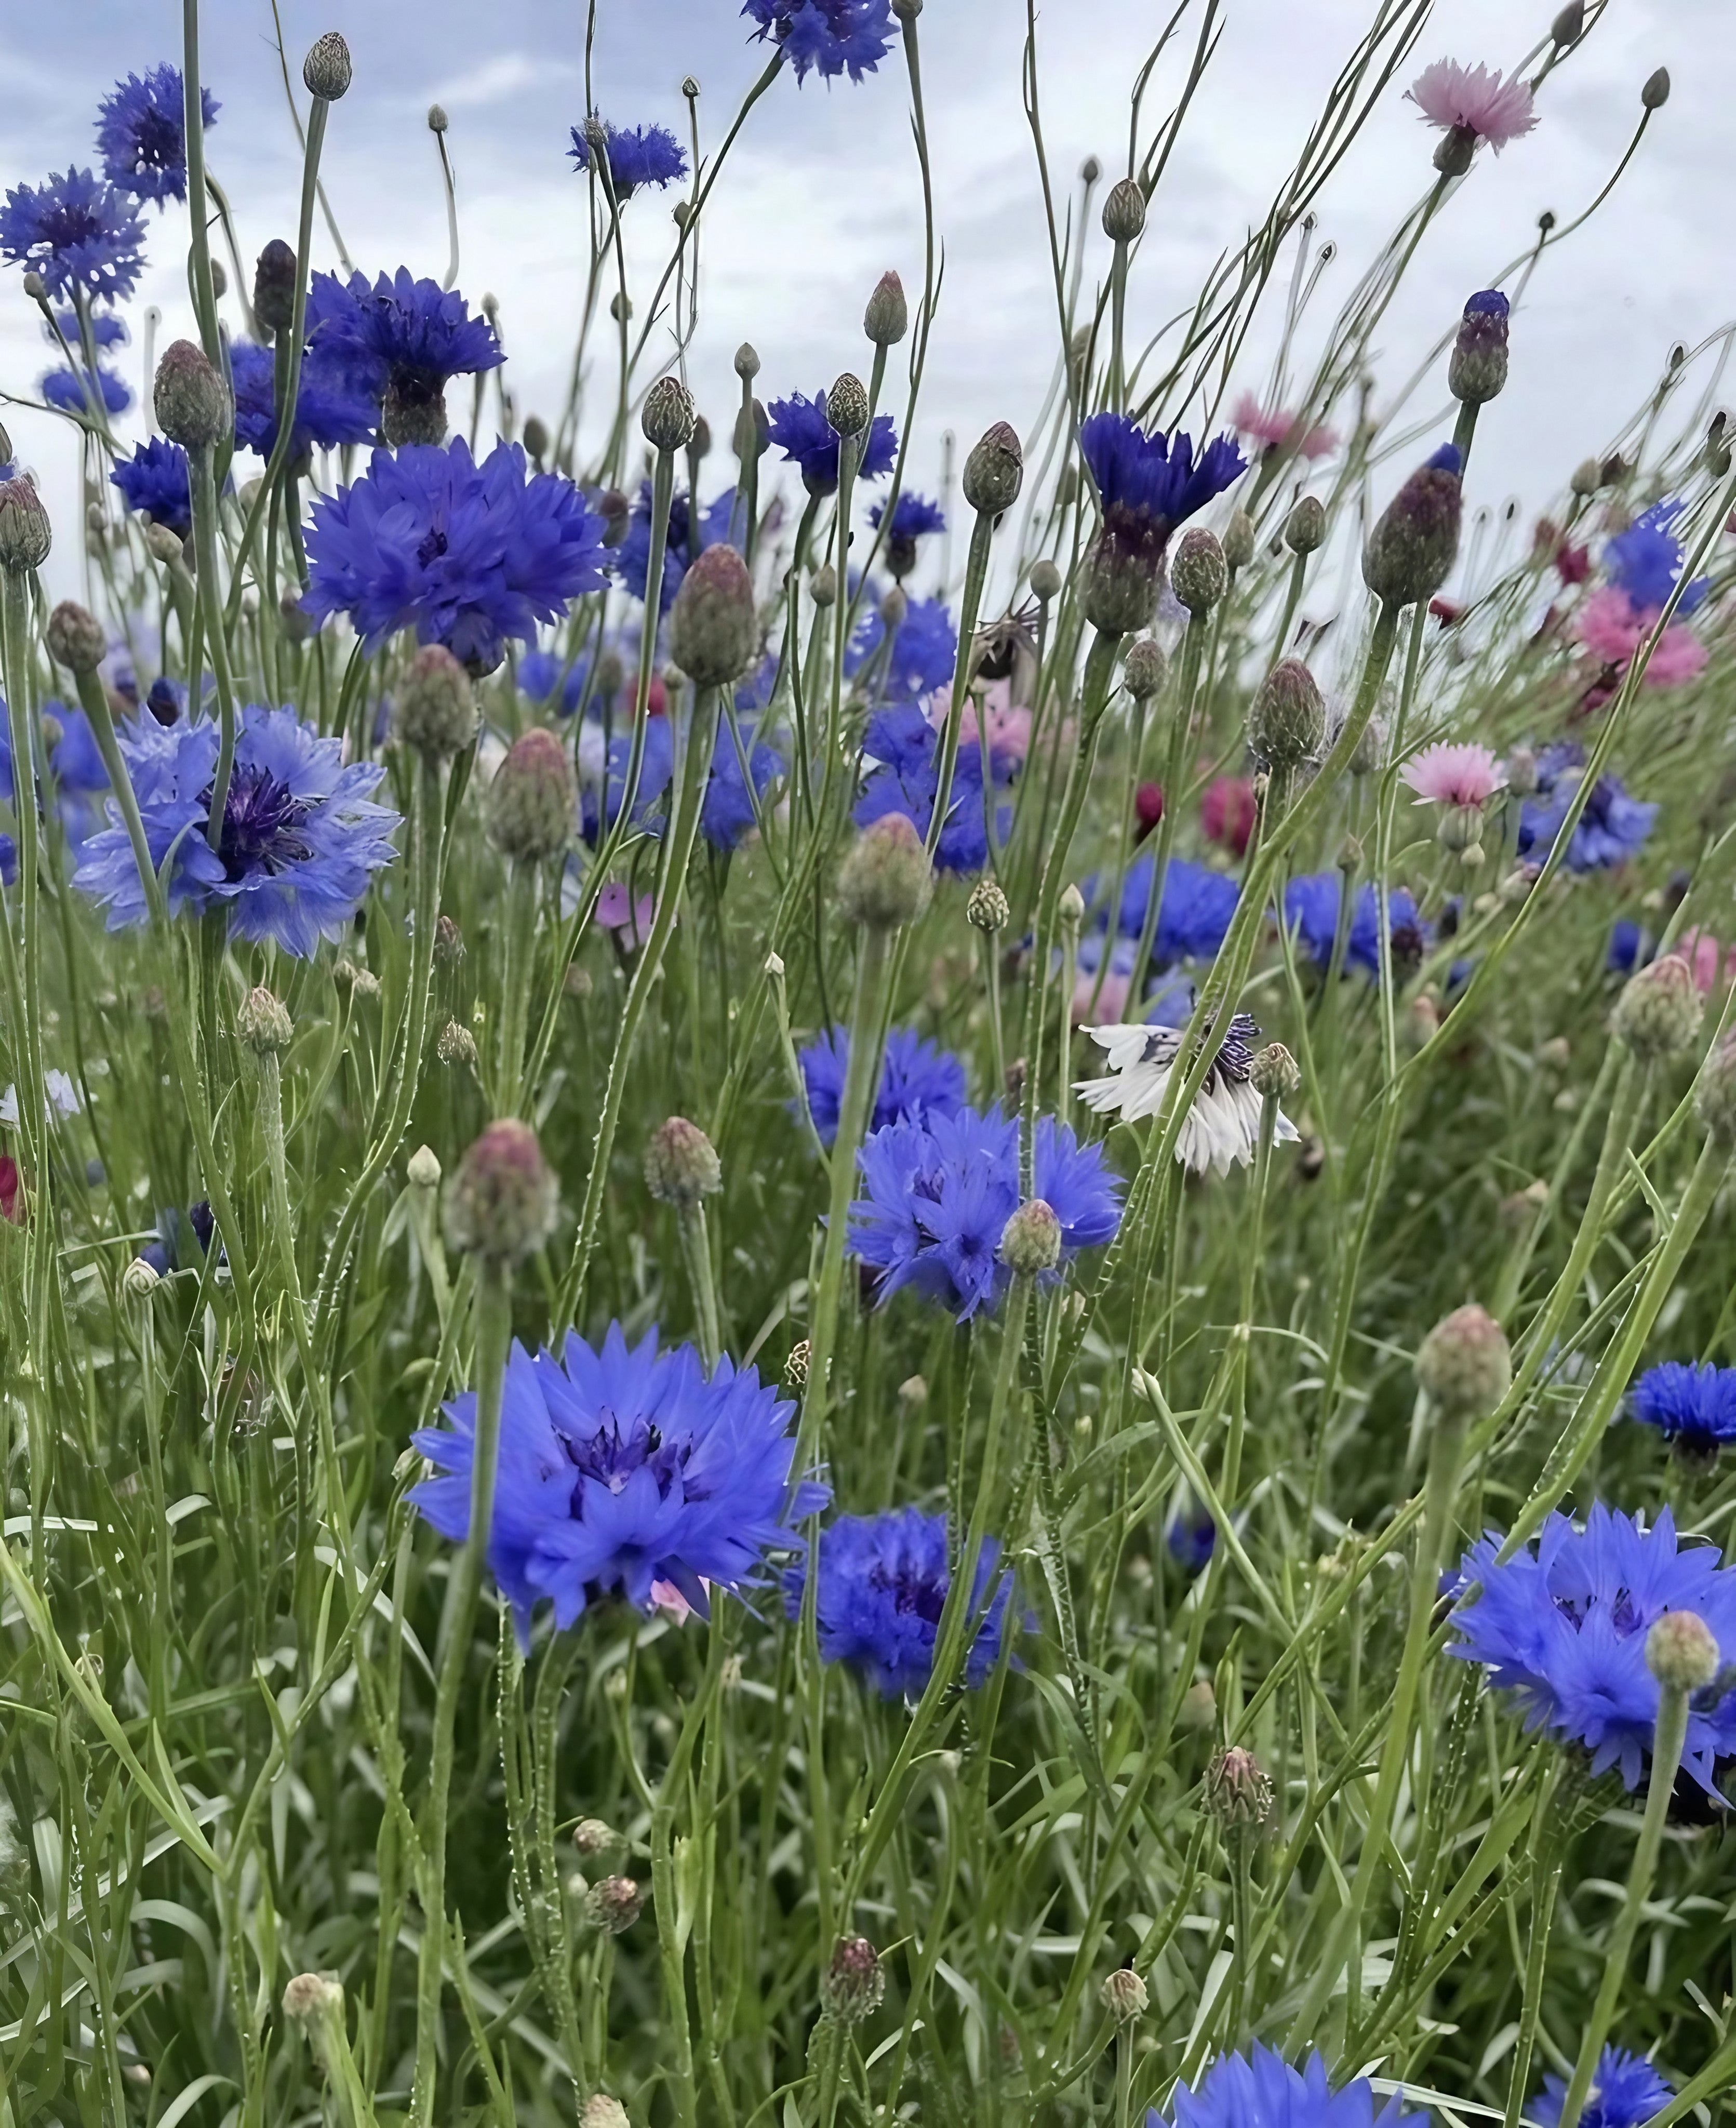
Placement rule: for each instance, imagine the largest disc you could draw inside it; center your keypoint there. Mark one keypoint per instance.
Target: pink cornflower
(1446, 775)
(1276, 428)
(1108, 1003)
(1712, 964)
(1473, 100)
(1612, 628)
(1227, 813)
(1009, 727)
(617, 911)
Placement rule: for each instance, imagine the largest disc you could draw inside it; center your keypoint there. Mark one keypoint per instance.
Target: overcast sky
(822, 192)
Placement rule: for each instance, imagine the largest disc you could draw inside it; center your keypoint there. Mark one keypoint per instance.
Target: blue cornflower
(924, 650)
(1612, 828)
(632, 558)
(907, 747)
(542, 672)
(1192, 916)
(637, 155)
(1311, 910)
(330, 410)
(914, 516)
(141, 133)
(1260, 2089)
(1191, 1538)
(1626, 2091)
(918, 1079)
(401, 341)
(301, 839)
(465, 554)
(78, 232)
(106, 330)
(622, 1467)
(74, 763)
(831, 37)
(940, 1192)
(1149, 483)
(1646, 559)
(1630, 947)
(799, 429)
(1564, 1624)
(73, 392)
(1696, 1406)
(656, 767)
(882, 1585)
(726, 811)
(183, 1238)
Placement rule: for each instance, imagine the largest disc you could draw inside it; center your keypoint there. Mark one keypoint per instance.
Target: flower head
(74, 390)
(1194, 912)
(801, 431)
(923, 655)
(78, 232)
(918, 1079)
(1645, 561)
(1694, 1405)
(907, 780)
(636, 155)
(141, 133)
(1274, 430)
(1612, 828)
(726, 812)
(687, 536)
(1310, 910)
(400, 342)
(914, 517)
(882, 1585)
(620, 1468)
(1449, 775)
(1626, 2090)
(1227, 812)
(466, 554)
(1260, 2089)
(300, 838)
(1473, 100)
(940, 1192)
(155, 481)
(1563, 1625)
(1223, 1127)
(330, 408)
(1150, 482)
(1612, 628)
(831, 37)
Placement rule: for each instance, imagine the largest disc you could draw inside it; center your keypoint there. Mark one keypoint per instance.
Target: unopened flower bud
(1145, 668)
(596, 1835)
(600, 2110)
(1238, 1789)
(536, 437)
(846, 406)
(796, 1365)
(26, 535)
(501, 1202)
(886, 878)
(682, 1165)
(1031, 1240)
(1716, 1098)
(1071, 907)
(895, 607)
(1569, 24)
(1477, 368)
(1199, 1706)
(667, 418)
(822, 586)
(1463, 1365)
(192, 402)
(449, 943)
(274, 287)
(312, 1997)
(1371, 747)
(746, 362)
(1273, 1074)
(714, 630)
(1240, 538)
(1198, 573)
(165, 546)
(1656, 92)
(1305, 529)
(1350, 857)
(1045, 581)
(614, 1904)
(994, 471)
(1287, 720)
(75, 638)
(1415, 540)
(887, 318)
(1124, 210)
(326, 71)
(1588, 477)
(263, 1022)
(141, 1279)
(422, 1170)
(436, 706)
(1658, 1014)
(1681, 1652)
(988, 907)
(532, 799)
(854, 1985)
(1123, 1995)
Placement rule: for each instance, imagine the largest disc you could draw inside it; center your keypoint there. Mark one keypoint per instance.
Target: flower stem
(211, 608)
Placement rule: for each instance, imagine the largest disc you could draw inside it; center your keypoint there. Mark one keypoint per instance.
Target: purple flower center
(70, 223)
(612, 1456)
(911, 1590)
(156, 141)
(432, 547)
(262, 819)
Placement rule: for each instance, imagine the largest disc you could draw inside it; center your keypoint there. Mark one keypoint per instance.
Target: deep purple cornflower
(918, 1079)
(924, 653)
(73, 392)
(184, 1239)
(302, 837)
(1191, 1538)
(914, 517)
(684, 541)
(330, 410)
(1626, 2091)
(156, 482)
(400, 341)
(1646, 560)
(1192, 916)
(907, 748)
(1563, 1623)
(619, 1468)
(1311, 911)
(1148, 482)
(1260, 2089)
(940, 1192)
(656, 767)
(78, 233)
(882, 1585)
(799, 429)
(727, 811)
(1630, 947)
(141, 133)
(1695, 1407)
(636, 155)
(1612, 828)
(831, 37)
(465, 554)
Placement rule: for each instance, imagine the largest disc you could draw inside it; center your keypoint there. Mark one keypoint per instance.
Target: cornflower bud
(887, 318)
(193, 403)
(1238, 540)
(1199, 1706)
(1145, 668)
(1198, 573)
(448, 944)
(714, 630)
(274, 287)
(614, 1904)
(1371, 747)
(1123, 1995)
(532, 800)
(854, 1984)
(1716, 1098)
(75, 638)
(436, 710)
(1238, 1789)
(746, 362)
(1569, 24)
(822, 586)
(682, 1165)
(1656, 92)
(1305, 529)
(1287, 720)
(846, 406)
(501, 1205)
(312, 1997)
(536, 437)
(596, 1835)
(1588, 477)
(988, 908)
(263, 1022)
(1463, 1365)
(437, 121)
(1681, 1652)
(1045, 580)
(1415, 540)
(1031, 1240)
(1273, 1074)
(1658, 1014)
(667, 418)
(1124, 210)
(603, 2111)
(326, 71)
(1478, 368)
(886, 879)
(24, 533)
(895, 607)
(994, 471)
(422, 1170)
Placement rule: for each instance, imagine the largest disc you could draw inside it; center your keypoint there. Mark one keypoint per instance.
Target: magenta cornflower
(1274, 430)
(1474, 100)
(1450, 774)
(1612, 627)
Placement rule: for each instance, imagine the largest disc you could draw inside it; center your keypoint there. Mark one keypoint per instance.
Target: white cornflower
(61, 1094)
(1223, 1125)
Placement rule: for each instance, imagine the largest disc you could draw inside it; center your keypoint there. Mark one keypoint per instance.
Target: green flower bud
(1045, 581)
(1240, 538)
(263, 1022)
(1238, 1789)
(1305, 529)
(854, 1985)
(26, 535)
(501, 1205)
(326, 71)
(994, 471)
(988, 908)
(1415, 540)
(532, 800)
(682, 1165)
(668, 419)
(1031, 1240)
(846, 406)
(886, 879)
(1124, 212)
(1288, 721)
(887, 318)
(1463, 1365)
(713, 630)
(1681, 1652)
(1145, 668)
(1199, 575)
(1273, 1074)
(1658, 1014)
(75, 638)
(274, 287)
(1716, 1098)
(436, 708)
(1123, 1995)
(614, 1904)
(193, 403)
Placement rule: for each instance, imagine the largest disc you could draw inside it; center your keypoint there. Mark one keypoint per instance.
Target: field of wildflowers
(827, 1305)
